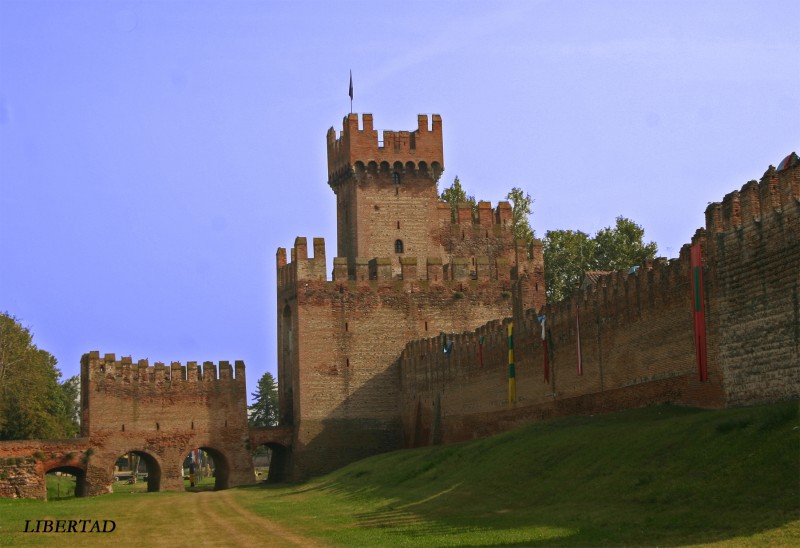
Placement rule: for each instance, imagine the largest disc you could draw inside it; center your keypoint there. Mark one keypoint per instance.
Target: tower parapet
(420, 151)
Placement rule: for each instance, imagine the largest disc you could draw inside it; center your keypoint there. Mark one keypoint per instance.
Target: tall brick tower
(406, 269)
(386, 199)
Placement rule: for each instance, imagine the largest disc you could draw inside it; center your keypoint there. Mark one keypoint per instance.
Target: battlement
(482, 216)
(433, 270)
(124, 371)
(420, 151)
(776, 192)
(616, 301)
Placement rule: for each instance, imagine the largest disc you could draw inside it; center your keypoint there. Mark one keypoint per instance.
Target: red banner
(699, 312)
(578, 340)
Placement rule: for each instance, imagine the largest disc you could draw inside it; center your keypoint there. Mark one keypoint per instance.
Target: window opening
(398, 246)
(396, 178)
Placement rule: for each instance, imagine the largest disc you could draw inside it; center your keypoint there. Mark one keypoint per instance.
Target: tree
(32, 402)
(569, 254)
(520, 214)
(622, 246)
(72, 400)
(455, 195)
(264, 411)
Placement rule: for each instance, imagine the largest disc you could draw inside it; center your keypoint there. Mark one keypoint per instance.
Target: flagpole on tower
(351, 91)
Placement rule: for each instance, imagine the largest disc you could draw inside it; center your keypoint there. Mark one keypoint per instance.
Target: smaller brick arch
(222, 466)
(279, 440)
(78, 472)
(154, 468)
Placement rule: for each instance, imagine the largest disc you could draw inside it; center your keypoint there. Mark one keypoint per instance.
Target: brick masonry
(636, 332)
(158, 412)
(339, 336)
(361, 366)
(348, 394)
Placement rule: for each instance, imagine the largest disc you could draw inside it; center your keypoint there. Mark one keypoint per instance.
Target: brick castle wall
(24, 463)
(165, 412)
(753, 248)
(637, 334)
(338, 341)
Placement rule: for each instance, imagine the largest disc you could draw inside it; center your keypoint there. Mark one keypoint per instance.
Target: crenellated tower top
(361, 149)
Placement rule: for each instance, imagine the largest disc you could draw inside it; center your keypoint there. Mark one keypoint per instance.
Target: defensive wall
(159, 412)
(24, 463)
(338, 339)
(163, 413)
(753, 281)
(637, 338)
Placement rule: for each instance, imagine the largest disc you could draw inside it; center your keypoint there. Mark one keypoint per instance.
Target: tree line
(33, 403)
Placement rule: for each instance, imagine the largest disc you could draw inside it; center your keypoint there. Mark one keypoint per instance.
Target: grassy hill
(655, 476)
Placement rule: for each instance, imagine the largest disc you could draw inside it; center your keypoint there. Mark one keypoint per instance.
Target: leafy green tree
(72, 400)
(521, 203)
(264, 411)
(622, 246)
(32, 402)
(455, 195)
(569, 254)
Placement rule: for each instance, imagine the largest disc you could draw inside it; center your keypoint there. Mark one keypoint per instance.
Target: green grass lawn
(655, 476)
(60, 487)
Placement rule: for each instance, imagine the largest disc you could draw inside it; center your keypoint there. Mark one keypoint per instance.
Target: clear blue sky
(154, 155)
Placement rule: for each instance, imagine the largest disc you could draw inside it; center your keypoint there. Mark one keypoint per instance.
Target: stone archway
(79, 473)
(153, 468)
(221, 466)
(278, 439)
(279, 462)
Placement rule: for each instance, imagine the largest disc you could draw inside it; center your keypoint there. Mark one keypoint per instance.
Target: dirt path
(212, 518)
(250, 529)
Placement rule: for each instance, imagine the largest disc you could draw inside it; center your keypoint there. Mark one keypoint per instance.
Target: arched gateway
(160, 413)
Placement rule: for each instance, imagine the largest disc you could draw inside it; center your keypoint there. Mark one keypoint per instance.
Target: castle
(410, 341)
(405, 270)
(407, 344)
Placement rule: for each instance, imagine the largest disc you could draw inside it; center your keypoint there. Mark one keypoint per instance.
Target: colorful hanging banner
(699, 311)
(480, 351)
(542, 319)
(512, 374)
(578, 339)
